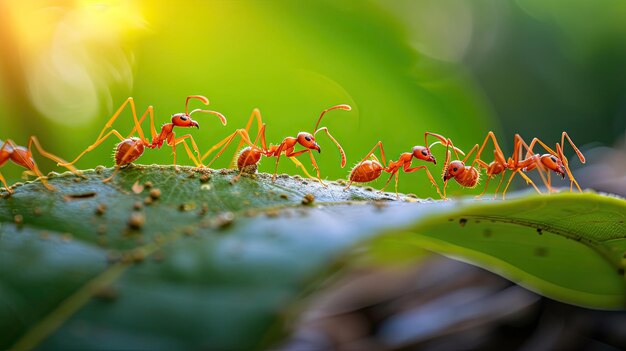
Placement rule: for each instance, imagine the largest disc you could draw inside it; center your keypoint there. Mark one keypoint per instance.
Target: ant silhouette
(23, 157)
(131, 148)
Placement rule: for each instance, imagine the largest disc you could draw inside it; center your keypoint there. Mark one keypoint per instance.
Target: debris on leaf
(18, 219)
(155, 194)
(187, 206)
(101, 209)
(137, 188)
(136, 221)
(71, 197)
(308, 199)
(224, 220)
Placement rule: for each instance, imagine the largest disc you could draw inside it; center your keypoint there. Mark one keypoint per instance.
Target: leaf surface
(214, 264)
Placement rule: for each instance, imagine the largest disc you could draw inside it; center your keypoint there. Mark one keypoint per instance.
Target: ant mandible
(557, 161)
(251, 155)
(131, 148)
(370, 169)
(23, 156)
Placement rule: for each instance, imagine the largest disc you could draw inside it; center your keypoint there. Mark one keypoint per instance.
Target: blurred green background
(455, 67)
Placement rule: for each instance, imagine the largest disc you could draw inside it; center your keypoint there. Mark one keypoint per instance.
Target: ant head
(423, 153)
(453, 169)
(553, 163)
(184, 120)
(308, 141)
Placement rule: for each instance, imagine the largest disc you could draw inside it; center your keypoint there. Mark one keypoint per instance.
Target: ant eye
(455, 169)
(308, 138)
(424, 152)
(183, 118)
(553, 159)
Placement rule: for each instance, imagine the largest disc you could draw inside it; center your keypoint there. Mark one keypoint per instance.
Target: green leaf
(213, 263)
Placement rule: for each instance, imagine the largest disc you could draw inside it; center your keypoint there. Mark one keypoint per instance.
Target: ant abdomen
(248, 157)
(366, 171)
(128, 151)
(469, 178)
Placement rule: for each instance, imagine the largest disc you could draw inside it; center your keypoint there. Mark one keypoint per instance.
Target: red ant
(23, 156)
(131, 148)
(370, 169)
(500, 164)
(557, 161)
(468, 176)
(251, 155)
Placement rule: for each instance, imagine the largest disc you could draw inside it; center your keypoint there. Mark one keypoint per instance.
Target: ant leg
(343, 154)
(117, 169)
(278, 152)
(484, 165)
(508, 183)
(153, 133)
(224, 143)
(485, 189)
(256, 114)
(580, 154)
(317, 169)
(430, 176)
(549, 183)
(397, 176)
(572, 180)
(528, 181)
(467, 156)
(137, 127)
(2, 148)
(388, 180)
(130, 101)
(495, 194)
(497, 151)
(189, 152)
(525, 164)
(93, 146)
(181, 139)
(33, 140)
(546, 147)
(300, 165)
(6, 186)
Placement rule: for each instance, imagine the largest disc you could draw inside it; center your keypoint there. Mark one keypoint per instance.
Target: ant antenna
(219, 115)
(457, 151)
(338, 107)
(199, 97)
